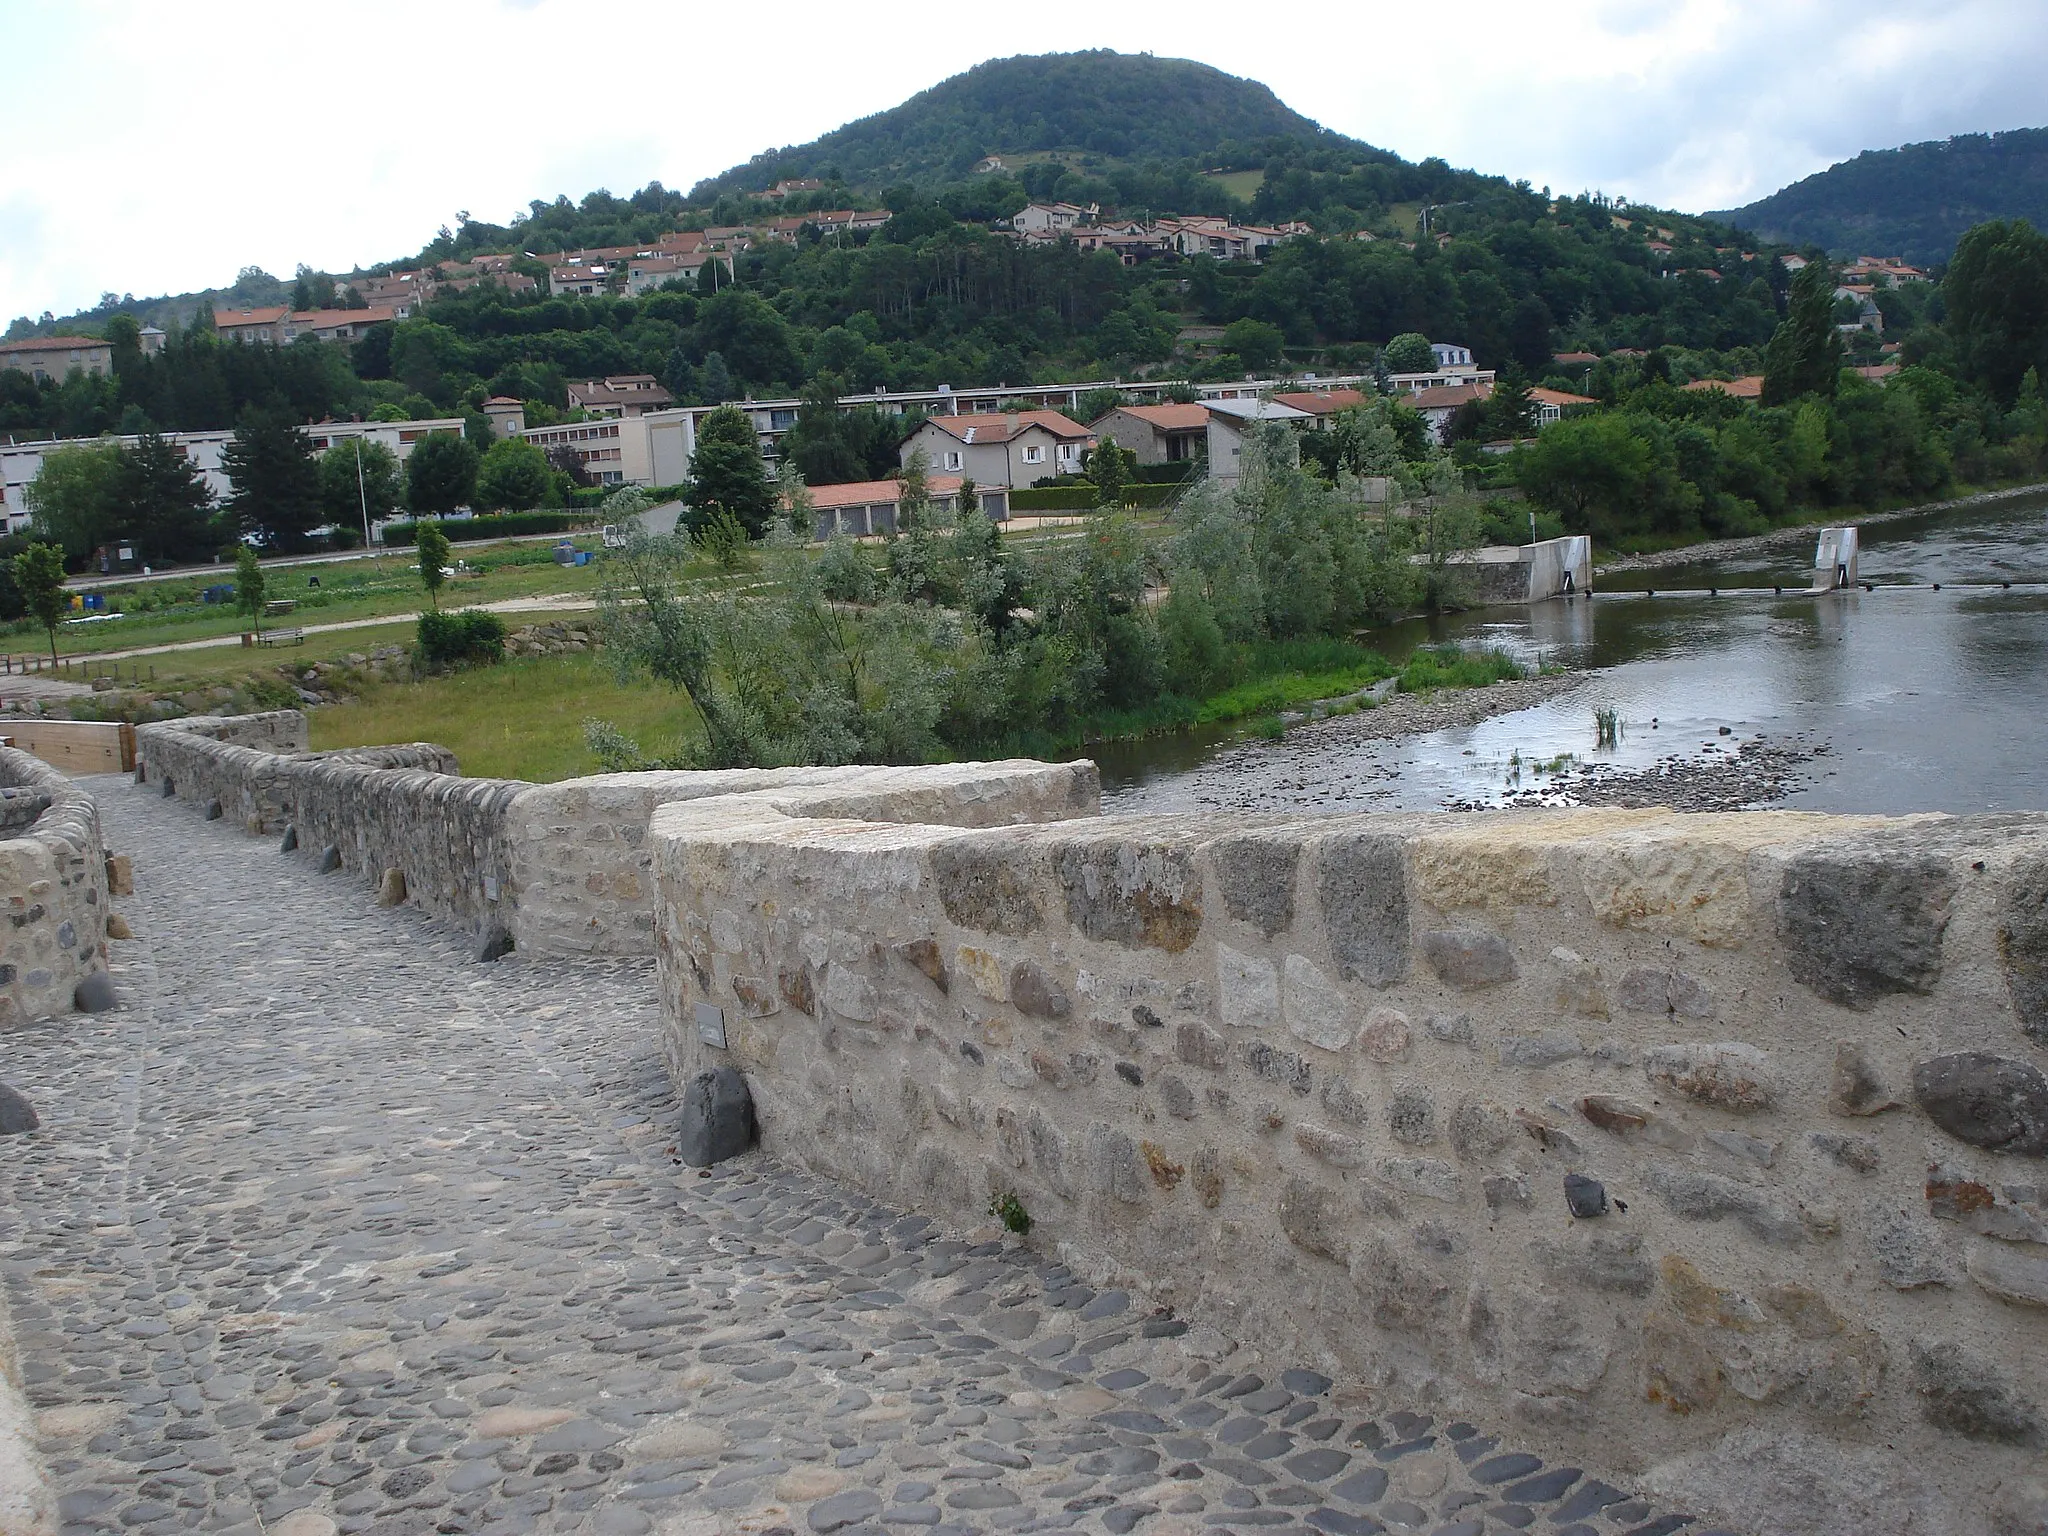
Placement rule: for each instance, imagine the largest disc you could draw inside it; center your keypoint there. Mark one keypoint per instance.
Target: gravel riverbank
(1317, 766)
(1746, 777)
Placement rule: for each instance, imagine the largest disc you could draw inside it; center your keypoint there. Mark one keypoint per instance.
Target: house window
(952, 461)
(1034, 455)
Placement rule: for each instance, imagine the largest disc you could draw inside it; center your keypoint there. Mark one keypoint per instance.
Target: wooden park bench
(282, 637)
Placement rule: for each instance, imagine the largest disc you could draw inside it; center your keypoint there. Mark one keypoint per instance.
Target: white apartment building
(20, 462)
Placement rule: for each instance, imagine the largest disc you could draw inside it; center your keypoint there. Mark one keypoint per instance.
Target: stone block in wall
(1858, 924)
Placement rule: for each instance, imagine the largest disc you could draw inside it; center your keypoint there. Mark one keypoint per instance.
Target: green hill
(1112, 106)
(1914, 201)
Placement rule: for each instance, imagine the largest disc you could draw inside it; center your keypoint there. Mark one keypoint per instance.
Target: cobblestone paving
(332, 1228)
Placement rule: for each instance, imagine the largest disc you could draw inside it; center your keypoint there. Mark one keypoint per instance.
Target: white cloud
(157, 148)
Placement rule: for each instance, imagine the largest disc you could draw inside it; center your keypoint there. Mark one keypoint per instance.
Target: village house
(864, 507)
(253, 326)
(1051, 219)
(507, 415)
(52, 357)
(1320, 405)
(628, 394)
(1231, 422)
(1868, 316)
(1882, 271)
(336, 325)
(1156, 434)
(1007, 449)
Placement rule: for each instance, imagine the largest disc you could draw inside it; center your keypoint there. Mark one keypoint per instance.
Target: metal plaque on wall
(711, 1024)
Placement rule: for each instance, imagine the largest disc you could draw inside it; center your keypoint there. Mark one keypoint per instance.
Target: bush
(469, 637)
(469, 530)
(1081, 498)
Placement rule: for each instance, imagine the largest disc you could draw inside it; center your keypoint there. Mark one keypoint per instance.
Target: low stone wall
(1711, 1150)
(53, 878)
(562, 868)
(26, 1508)
(582, 867)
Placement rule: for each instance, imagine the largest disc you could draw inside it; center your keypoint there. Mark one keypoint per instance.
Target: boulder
(94, 993)
(495, 944)
(17, 1115)
(717, 1119)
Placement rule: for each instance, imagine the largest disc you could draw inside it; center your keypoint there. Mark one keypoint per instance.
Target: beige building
(1156, 434)
(1015, 448)
(52, 357)
(863, 507)
(626, 394)
(254, 326)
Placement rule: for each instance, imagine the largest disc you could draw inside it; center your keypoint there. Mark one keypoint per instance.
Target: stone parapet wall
(582, 865)
(562, 868)
(1688, 1147)
(379, 807)
(53, 879)
(26, 1507)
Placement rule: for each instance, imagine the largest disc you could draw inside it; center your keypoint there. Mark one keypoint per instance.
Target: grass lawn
(357, 589)
(521, 720)
(1242, 185)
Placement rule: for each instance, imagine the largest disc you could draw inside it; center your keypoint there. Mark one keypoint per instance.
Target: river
(1909, 699)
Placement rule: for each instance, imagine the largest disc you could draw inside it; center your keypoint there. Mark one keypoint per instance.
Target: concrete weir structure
(1710, 1151)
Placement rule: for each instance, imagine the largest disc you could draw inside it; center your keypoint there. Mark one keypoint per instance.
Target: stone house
(1010, 449)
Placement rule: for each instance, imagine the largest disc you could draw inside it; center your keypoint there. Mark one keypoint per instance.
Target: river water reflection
(1925, 700)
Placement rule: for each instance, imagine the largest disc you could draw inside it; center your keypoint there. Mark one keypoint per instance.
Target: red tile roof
(1167, 418)
(1322, 402)
(224, 319)
(1444, 397)
(1559, 398)
(1749, 387)
(1000, 428)
(861, 493)
(52, 343)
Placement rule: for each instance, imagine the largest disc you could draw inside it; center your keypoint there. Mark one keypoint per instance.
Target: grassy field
(1241, 185)
(521, 720)
(165, 613)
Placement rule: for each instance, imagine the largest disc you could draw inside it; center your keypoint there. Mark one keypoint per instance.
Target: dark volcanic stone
(1859, 925)
(17, 1115)
(717, 1120)
(1036, 993)
(1584, 1196)
(1989, 1101)
(94, 993)
(495, 944)
(1255, 876)
(2023, 946)
(289, 843)
(330, 859)
(213, 810)
(1963, 1392)
(1362, 887)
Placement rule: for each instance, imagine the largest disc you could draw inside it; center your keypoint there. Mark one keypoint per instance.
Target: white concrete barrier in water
(1834, 560)
(1560, 567)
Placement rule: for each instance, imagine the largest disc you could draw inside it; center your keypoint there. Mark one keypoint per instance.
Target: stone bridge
(1586, 1173)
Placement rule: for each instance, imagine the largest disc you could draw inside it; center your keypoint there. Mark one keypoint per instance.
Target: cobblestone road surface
(332, 1228)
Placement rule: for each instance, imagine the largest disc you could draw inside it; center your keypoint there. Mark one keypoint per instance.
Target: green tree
(1256, 343)
(39, 574)
(1109, 470)
(166, 507)
(441, 475)
(1409, 353)
(358, 476)
(249, 584)
(514, 475)
(432, 545)
(276, 488)
(74, 500)
(1805, 352)
(726, 474)
(1997, 295)
(817, 441)
(1589, 469)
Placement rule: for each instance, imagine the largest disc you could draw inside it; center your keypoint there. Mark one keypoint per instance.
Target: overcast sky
(153, 147)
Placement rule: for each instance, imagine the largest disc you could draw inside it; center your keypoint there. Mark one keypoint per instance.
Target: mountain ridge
(1915, 200)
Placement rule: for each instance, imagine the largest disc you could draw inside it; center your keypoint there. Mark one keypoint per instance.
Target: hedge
(467, 637)
(498, 525)
(1081, 498)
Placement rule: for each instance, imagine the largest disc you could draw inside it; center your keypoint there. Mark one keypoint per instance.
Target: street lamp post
(362, 495)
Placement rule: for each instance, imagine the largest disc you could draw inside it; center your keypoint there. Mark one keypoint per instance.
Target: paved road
(332, 1228)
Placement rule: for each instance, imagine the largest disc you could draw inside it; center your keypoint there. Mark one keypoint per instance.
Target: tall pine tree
(276, 486)
(1805, 352)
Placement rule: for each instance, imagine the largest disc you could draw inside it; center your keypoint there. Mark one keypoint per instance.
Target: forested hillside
(1915, 201)
(1128, 107)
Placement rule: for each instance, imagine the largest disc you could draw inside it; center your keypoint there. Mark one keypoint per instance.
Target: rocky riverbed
(1747, 776)
(1319, 765)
